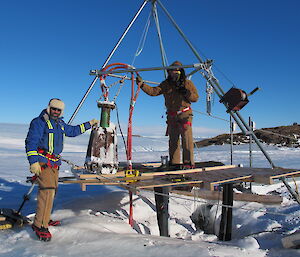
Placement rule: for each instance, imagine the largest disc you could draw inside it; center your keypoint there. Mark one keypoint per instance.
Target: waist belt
(179, 112)
(52, 157)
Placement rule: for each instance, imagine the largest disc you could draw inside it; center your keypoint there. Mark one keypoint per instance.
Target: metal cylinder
(105, 113)
(105, 117)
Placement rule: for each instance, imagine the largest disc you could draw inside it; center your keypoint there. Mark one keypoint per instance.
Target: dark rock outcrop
(288, 136)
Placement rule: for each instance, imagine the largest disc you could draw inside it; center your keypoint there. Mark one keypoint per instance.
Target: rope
(212, 116)
(142, 39)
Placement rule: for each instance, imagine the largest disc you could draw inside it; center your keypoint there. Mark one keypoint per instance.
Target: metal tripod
(205, 70)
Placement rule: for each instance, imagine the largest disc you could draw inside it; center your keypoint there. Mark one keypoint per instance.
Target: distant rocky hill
(288, 136)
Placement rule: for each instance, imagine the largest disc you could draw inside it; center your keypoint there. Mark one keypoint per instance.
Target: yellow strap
(51, 142)
(50, 138)
(49, 124)
(51, 159)
(30, 153)
(82, 128)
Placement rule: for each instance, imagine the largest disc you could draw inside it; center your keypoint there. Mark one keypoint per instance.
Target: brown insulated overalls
(179, 118)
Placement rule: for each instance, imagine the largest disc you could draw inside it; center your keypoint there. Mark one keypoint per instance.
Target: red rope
(133, 98)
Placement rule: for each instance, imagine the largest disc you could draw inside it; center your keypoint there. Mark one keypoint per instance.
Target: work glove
(35, 168)
(94, 122)
(139, 80)
(182, 90)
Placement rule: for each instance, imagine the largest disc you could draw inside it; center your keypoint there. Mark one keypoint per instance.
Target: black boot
(42, 233)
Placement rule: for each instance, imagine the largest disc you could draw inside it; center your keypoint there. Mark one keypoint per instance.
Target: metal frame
(204, 66)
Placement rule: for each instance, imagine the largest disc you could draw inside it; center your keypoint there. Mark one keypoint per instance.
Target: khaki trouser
(178, 126)
(48, 183)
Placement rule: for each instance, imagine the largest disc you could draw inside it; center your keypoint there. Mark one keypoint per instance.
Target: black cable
(117, 112)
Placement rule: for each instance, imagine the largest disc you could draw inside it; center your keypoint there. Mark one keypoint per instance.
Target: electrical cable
(119, 125)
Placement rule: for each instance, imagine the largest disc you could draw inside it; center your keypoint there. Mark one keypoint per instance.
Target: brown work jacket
(174, 100)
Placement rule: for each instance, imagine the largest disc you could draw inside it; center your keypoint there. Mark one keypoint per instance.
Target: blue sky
(47, 49)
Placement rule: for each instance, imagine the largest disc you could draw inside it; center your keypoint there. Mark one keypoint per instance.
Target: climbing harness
(50, 157)
(174, 122)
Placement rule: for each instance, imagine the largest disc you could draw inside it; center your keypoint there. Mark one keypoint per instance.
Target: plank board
(162, 183)
(246, 197)
(208, 177)
(121, 174)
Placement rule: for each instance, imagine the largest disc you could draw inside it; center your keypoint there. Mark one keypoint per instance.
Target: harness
(176, 123)
(173, 114)
(49, 157)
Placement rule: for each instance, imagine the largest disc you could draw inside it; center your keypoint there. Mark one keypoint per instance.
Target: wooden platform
(206, 177)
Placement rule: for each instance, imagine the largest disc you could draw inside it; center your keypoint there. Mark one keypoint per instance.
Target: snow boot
(42, 233)
(54, 223)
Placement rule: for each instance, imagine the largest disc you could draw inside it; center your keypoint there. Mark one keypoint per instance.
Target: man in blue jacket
(44, 144)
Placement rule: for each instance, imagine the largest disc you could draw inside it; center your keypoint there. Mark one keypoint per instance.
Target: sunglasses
(55, 109)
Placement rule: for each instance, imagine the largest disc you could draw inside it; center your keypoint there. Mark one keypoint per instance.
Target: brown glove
(35, 168)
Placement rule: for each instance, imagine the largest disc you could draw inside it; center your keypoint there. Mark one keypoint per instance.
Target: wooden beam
(267, 175)
(162, 183)
(232, 180)
(157, 173)
(244, 197)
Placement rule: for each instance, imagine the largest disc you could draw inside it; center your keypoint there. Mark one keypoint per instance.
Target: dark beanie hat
(176, 63)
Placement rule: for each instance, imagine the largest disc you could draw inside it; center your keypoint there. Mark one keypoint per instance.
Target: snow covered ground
(95, 222)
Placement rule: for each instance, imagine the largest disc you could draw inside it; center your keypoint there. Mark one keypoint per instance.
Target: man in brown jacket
(179, 93)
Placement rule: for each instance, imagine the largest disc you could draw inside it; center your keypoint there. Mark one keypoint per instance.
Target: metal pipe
(189, 75)
(180, 31)
(127, 78)
(250, 142)
(107, 60)
(255, 139)
(231, 140)
(162, 50)
(100, 72)
(187, 41)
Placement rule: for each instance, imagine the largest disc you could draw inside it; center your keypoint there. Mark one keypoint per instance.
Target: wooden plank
(175, 172)
(94, 182)
(232, 180)
(152, 164)
(207, 176)
(157, 173)
(216, 177)
(267, 176)
(245, 197)
(163, 183)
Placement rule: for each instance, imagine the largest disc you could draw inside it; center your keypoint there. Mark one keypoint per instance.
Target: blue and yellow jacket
(45, 138)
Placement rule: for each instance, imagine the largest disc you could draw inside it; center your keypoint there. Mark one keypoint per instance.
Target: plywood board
(246, 197)
(121, 174)
(207, 176)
